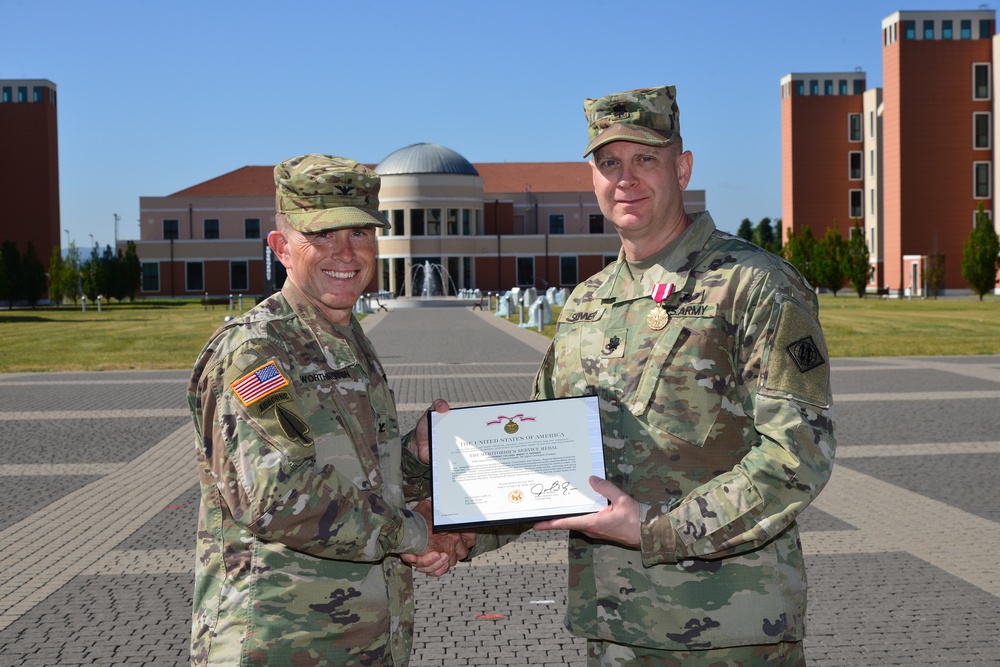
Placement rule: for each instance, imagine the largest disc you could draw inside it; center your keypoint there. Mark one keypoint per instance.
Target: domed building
(434, 199)
(489, 226)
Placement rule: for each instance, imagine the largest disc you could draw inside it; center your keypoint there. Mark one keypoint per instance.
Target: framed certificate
(515, 462)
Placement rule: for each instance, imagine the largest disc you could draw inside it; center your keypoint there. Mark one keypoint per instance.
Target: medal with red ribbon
(658, 316)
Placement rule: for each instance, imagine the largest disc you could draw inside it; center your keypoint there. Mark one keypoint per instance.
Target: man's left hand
(618, 522)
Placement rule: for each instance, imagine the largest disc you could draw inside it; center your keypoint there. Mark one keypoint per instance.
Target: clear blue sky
(157, 96)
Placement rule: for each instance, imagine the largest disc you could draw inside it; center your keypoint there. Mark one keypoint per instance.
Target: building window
(37, 94)
(909, 29)
(871, 240)
(567, 271)
(22, 94)
(211, 228)
(871, 123)
(52, 97)
(251, 228)
(194, 276)
(985, 29)
(975, 216)
(557, 224)
(982, 175)
(857, 204)
(980, 81)
(871, 163)
(596, 223)
(466, 222)
(814, 87)
(800, 88)
(8, 94)
(169, 229)
(828, 87)
(871, 202)
(966, 30)
(928, 29)
(526, 271)
(433, 222)
(946, 30)
(396, 219)
(981, 123)
(150, 276)
(854, 127)
(452, 222)
(416, 222)
(856, 169)
(239, 276)
(859, 86)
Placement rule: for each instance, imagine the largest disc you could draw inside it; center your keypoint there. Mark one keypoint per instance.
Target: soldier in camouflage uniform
(304, 476)
(711, 366)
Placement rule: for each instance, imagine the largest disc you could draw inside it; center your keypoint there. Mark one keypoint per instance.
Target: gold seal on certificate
(515, 462)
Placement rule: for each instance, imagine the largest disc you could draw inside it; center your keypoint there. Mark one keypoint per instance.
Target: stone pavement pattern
(100, 497)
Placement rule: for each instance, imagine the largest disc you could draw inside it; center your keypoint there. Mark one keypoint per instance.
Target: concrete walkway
(100, 497)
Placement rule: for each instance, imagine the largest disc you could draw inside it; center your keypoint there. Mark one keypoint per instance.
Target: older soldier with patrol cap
(304, 476)
(712, 370)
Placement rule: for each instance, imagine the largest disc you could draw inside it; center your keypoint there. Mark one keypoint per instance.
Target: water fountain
(431, 286)
(434, 279)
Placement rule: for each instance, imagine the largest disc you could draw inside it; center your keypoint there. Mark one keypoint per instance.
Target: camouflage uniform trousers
(608, 654)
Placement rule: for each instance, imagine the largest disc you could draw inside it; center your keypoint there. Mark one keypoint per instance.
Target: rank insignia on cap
(259, 383)
(805, 354)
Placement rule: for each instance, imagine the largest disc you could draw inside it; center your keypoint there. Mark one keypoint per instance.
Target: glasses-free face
(332, 268)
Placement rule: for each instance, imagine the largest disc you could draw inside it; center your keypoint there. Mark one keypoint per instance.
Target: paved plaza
(99, 503)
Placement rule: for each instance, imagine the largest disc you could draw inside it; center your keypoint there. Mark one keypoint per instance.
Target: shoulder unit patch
(805, 354)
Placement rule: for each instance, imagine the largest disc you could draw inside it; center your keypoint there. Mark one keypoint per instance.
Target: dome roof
(425, 159)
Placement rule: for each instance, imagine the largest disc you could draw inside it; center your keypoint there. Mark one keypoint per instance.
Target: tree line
(110, 274)
(832, 262)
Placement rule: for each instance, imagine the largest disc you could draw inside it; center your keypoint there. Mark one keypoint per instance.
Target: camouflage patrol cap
(321, 192)
(646, 116)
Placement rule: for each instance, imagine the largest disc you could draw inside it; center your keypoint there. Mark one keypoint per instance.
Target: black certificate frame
(531, 467)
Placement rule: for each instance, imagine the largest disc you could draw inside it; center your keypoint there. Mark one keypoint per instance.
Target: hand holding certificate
(515, 462)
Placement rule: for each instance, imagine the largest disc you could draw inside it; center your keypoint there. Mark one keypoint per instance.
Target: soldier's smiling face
(332, 268)
(640, 188)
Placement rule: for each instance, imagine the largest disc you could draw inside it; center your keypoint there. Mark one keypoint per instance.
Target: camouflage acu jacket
(302, 496)
(719, 424)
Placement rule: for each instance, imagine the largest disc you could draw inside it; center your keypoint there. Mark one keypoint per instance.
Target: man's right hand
(443, 549)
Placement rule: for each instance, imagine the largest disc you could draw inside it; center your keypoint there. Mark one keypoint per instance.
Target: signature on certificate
(556, 488)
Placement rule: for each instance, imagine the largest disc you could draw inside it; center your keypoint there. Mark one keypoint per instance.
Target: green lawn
(148, 336)
(900, 327)
(169, 334)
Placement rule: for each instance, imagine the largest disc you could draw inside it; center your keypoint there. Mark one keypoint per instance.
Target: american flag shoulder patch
(259, 383)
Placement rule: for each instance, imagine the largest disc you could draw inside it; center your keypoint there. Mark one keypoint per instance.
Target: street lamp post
(117, 218)
(67, 237)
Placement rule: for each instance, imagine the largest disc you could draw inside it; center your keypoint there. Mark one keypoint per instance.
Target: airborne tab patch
(805, 354)
(260, 382)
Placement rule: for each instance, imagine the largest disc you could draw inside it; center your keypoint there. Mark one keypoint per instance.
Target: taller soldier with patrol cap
(304, 476)
(712, 369)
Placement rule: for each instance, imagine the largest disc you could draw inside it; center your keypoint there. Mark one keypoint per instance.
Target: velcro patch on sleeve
(797, 365)
(259, 383)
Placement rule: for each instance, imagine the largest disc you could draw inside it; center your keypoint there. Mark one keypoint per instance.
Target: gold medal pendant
(657, 318)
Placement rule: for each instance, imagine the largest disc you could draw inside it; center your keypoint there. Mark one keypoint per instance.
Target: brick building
(912, 161)
(490, 226)
(29, 165)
